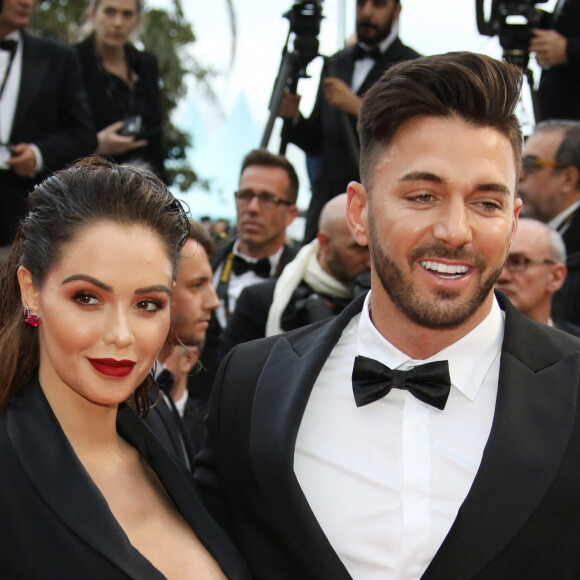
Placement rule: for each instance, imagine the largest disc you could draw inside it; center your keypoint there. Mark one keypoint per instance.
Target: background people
(45, 122)
(329, 132)
(85, 310)
(322, 460)
(122, 85)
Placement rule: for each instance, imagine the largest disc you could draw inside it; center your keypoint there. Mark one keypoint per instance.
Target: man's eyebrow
(494, 188)
(423, 176)
(89, 279)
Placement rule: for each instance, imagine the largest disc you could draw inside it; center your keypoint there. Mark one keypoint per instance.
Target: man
(45, 121)
(329, 133)
(550, 189)
(317, 284)
(313, 470)
(265, 206)
(557, 51)
(535, 268)
(176, 419)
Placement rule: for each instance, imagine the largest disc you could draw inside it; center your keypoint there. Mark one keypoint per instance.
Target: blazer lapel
(281, 397)
(51, 464)
(533, 420)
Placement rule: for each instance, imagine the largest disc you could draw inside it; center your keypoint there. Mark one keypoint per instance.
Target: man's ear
(557, 277)
(291, 213)
(27, 290)
(571, 177)
(357, 212)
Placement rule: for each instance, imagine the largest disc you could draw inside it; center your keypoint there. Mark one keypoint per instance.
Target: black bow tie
(360, 52)
(261, 267)
(372, 380)
(8, 45)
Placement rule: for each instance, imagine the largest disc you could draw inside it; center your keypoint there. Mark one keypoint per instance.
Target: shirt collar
(470, 358)
(274, 258)
(556, 222)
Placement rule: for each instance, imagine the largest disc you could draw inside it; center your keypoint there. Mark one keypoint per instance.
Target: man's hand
(111, 143)
(289, 105)
(340, 96)
(549, 46)
(23, 160)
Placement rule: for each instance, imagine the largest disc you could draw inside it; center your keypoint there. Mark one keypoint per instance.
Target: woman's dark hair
(92, 190)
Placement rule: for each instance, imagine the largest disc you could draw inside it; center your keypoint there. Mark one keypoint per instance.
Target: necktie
(261, 267)
(372, 380)
(8, 45)
(360, 52)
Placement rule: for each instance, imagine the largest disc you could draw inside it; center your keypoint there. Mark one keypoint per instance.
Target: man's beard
(443, 310)
(380, 33)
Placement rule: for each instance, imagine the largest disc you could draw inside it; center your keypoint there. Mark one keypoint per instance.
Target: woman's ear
(27, 290)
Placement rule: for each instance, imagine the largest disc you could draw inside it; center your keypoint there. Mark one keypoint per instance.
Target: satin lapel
(534, 416)
(60, 479)
(35, 68)
(280, 399)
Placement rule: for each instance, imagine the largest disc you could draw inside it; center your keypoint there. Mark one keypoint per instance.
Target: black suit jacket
(324, 133)
(52, 112)
(55, 523)
(200, 383)
(521, 518)
(566, 302)
(106, 113)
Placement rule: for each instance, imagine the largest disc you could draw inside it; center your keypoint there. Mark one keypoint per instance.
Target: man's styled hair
(481, 90)
(568, 152)
(266, 159)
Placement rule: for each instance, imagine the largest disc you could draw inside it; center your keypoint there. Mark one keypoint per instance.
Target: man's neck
(5, 30)
(259, 251)
(541, 312)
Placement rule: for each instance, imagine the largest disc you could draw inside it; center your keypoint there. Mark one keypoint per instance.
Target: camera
(132, 126)
(505, 21)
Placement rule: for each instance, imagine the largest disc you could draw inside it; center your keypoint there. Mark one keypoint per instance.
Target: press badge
(5, 155)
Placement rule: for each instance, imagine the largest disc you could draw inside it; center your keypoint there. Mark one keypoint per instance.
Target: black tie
(360, 52)
(372, 380)
(261, 267)
(8, 45)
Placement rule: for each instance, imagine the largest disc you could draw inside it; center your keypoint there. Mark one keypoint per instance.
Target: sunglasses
(531, 163)
(265, 199)
(520, 263)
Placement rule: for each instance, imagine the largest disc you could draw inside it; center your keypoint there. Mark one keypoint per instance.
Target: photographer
(557, 51)
(122, 85)
(329, 133)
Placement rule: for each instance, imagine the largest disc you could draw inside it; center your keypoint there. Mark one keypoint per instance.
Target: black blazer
(105, 112)
(56, 524)
(324, 133)
(53, 113)
(521, 518)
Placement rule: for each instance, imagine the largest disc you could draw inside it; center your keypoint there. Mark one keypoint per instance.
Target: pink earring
(30, 318)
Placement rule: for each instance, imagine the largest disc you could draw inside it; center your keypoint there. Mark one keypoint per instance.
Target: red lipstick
(111, 367)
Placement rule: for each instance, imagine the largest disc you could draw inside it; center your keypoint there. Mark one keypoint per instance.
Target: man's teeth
(446, 269)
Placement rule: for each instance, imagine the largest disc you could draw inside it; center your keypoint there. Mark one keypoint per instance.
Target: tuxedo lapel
(60, 479)
(280, 399)
(534, 416)
(35, 69)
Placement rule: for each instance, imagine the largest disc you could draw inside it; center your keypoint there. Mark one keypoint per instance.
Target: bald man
(317, 284)
(535, 269)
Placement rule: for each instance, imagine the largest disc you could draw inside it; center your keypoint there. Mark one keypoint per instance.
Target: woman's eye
(149, 305)
(86, 299)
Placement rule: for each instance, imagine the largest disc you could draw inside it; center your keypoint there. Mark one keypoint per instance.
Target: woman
(87, 491)
(122, 85)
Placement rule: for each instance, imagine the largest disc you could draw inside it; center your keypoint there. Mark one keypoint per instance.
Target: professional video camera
(305, 18)
(514, 37)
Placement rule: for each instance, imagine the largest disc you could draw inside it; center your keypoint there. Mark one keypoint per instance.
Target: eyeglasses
(531, 163)
(265, 199)
(520, 263)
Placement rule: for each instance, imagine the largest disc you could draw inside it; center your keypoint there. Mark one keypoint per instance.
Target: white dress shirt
(386, 480)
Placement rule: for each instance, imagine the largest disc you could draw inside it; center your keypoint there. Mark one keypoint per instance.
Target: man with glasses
(550, 189)
(265, 206)
(535, 268)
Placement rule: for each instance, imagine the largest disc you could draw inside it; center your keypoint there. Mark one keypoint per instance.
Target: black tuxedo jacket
(521, 518)
(324, 133)
(201, 382)
(106, 113)
(55, 523)
(566, 302)
(52, 112)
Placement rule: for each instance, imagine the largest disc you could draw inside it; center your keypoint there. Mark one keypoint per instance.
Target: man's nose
(453, 226)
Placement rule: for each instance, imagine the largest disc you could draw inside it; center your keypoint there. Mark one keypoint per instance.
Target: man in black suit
(45, 121)
(550, 189)
(329, 133)
(461, 463)
(265, 206)
(536, 268)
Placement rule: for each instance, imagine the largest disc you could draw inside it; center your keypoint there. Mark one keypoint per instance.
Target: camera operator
(347, 75)
(557, 51)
